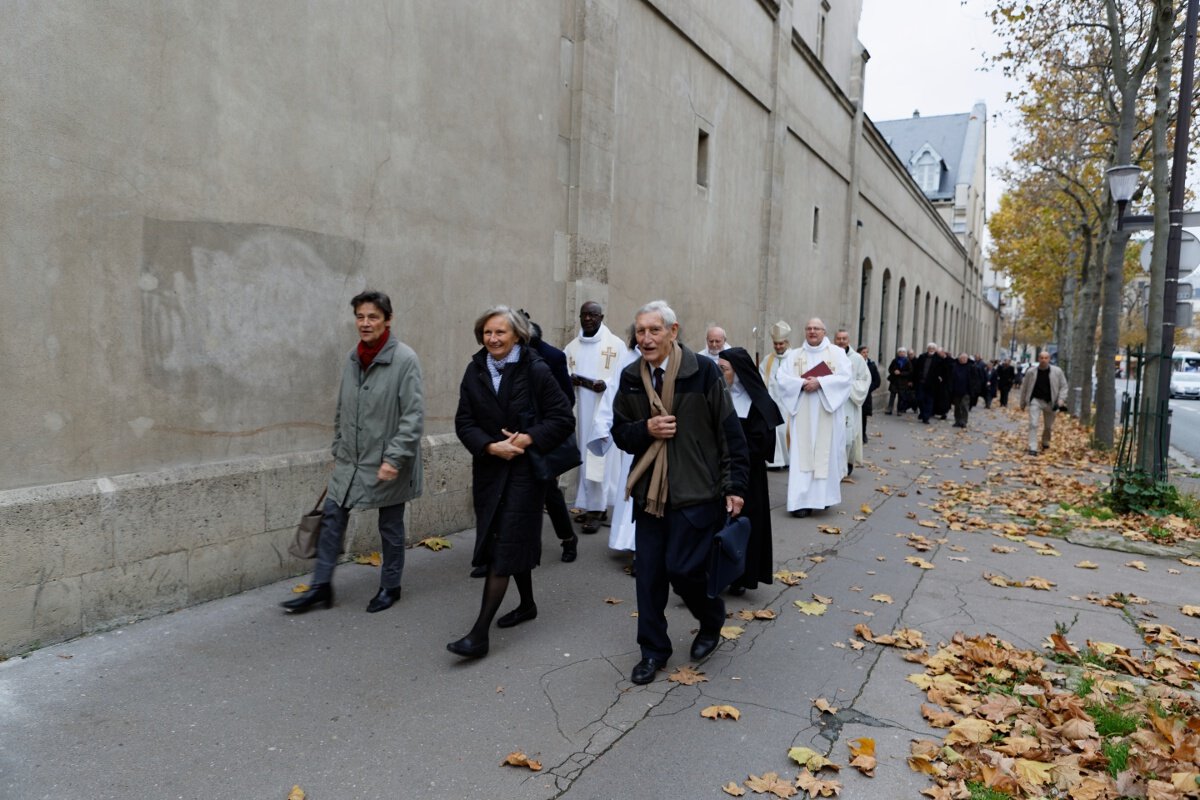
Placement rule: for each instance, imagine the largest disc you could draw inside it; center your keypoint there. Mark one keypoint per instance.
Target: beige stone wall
(193, 192)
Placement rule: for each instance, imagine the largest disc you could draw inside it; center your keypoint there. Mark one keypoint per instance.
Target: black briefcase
(727, 560)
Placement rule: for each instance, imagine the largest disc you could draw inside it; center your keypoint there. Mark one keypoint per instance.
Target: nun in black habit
(759, 417)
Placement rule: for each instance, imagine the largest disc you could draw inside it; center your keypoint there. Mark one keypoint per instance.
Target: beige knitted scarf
(655, 457)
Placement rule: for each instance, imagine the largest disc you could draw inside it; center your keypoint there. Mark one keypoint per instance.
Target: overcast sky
(929, 55)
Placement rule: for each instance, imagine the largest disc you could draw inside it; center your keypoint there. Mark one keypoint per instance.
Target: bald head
(714, 339)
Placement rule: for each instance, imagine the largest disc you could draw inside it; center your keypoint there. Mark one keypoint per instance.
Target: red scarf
(367, 352)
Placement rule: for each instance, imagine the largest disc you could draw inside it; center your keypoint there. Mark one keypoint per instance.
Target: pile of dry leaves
(1019, 490)
(1015, 729)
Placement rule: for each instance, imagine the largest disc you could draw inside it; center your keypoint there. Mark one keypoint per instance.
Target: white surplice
(817, 455)
(769, 369)
(596, 357)
(860, 387)
(621, 530)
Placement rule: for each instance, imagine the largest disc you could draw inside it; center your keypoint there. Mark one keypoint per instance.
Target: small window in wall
(702, 158)
(821, 36)
(816, 229)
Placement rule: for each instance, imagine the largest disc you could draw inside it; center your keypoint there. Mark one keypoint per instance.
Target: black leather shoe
(479, 572)
(468, 647)
(704, 644)
(384, 600)
(801, 512)
(644, 670)
(736, 591)
(570, 549)
(320, 594)
(517, 616)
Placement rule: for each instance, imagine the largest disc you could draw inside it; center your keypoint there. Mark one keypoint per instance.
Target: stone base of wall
(88, 555)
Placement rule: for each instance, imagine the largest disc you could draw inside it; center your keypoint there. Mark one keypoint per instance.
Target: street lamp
(1123, 181)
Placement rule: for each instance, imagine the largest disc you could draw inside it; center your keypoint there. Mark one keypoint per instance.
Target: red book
(819, 371)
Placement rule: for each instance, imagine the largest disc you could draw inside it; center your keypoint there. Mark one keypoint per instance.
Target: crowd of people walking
(673, 443)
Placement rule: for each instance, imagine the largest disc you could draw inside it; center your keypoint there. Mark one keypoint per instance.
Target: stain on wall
(241, 315)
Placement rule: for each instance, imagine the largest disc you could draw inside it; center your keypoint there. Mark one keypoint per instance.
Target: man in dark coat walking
(683, 485)
(1006, 376)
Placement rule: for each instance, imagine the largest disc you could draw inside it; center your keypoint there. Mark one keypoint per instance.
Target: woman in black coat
(508, 404)
(759, 417)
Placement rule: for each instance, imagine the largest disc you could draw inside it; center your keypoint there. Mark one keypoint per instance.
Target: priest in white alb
(860, 387)
(594, 359)
(817, 427)
(769, 368)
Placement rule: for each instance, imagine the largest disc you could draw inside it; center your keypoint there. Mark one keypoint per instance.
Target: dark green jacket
(707, 458)
(380, 417)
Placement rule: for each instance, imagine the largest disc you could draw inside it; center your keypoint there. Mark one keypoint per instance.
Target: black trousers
(1004, 390)
(672, 552)
(556, 507)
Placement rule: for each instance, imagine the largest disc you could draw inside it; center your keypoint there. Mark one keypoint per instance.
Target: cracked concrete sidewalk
(233, 699)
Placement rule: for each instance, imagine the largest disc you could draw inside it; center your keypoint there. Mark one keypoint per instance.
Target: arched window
(924, 330)
(915, 341)
(883, 314)
(899, 321)
(928, 172)
(942, 339)
(864, 295)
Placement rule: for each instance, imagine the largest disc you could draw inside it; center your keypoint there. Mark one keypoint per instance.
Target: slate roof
(953, 136)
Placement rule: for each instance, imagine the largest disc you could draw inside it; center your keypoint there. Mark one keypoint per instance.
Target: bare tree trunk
(1086, 310)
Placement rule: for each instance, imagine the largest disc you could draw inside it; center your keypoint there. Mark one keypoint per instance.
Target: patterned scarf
(656, 455)
(367, 352)
(495, 368)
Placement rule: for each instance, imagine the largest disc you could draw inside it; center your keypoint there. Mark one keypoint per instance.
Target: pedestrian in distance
(1043, 392)
(963, 379)
(860, 390)
(989, 384)
(868, 408)
(376, 451)
(927, 375)
(769, 369)
(674, 414)
(509, 408)
(759, 417)
(1006, 376)
(900, 373)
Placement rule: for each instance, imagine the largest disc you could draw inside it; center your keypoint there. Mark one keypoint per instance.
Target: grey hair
(934, 345)
(518, 322)
(660, 307)
(901, 350)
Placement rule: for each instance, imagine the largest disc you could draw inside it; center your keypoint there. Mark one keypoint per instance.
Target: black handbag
(727, 559)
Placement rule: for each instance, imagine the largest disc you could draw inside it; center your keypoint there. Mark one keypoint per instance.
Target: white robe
(860, 387)
(817, 427)
(621, 531)
(769, 370)
(597, 357)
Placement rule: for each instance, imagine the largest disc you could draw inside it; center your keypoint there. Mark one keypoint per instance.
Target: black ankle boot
(320, 594)
(383, 600)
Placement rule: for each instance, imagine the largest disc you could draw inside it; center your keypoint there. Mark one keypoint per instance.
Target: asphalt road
(1185, 422)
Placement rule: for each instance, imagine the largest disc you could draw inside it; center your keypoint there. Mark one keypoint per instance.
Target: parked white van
(1185, 374)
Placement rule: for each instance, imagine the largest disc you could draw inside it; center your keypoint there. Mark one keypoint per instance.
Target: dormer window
(926, 169)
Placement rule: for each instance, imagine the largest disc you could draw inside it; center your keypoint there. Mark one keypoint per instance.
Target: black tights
(494, 587)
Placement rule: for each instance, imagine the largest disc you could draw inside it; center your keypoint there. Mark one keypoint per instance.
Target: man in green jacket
(376, 451)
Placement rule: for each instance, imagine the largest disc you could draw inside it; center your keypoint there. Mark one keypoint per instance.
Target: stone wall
(193, 191)
(88, 555)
